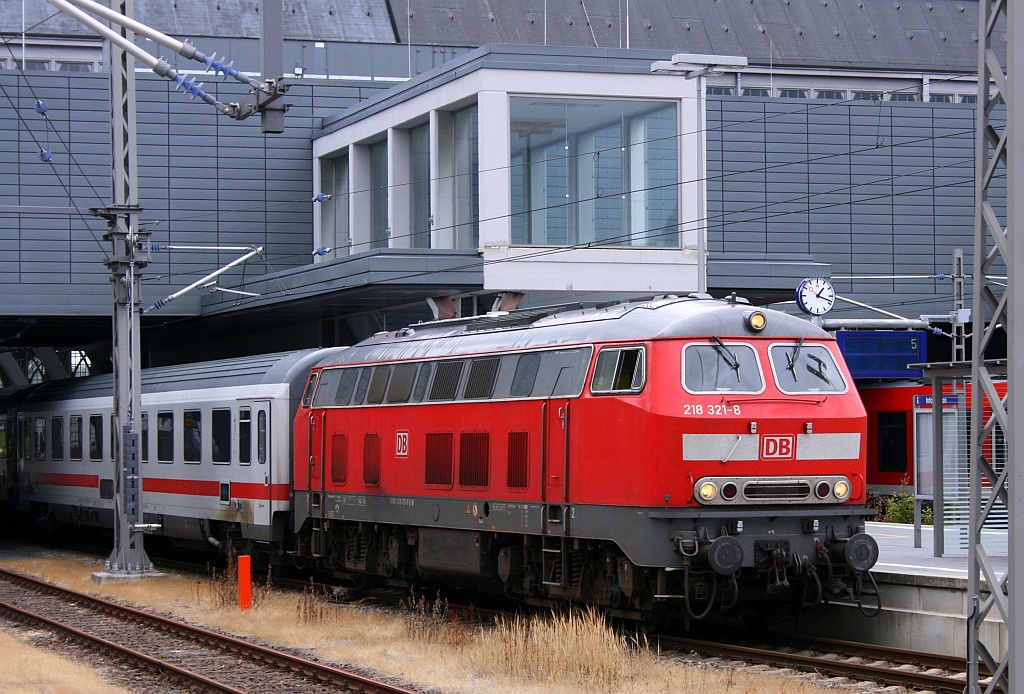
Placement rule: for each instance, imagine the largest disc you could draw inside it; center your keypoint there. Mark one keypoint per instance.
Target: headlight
(729, 490)
(822, 489)
(841, 490)
(708, 491)
(756, 321)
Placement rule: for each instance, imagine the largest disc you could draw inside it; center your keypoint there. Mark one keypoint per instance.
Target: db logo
(402, 444)
(778, 447)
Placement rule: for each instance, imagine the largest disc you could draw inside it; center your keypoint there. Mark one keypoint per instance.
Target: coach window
(801, 368)
(57, 438)
(245, 436)
(401, 383)
(892, 441)
(165, 437)
(619, 371)
(261, 437)
(75, 436)
(220, 427)
(95, 437)
(720, 367)
(145, 438)
(39, 438)
(193, 436)
(378, 385)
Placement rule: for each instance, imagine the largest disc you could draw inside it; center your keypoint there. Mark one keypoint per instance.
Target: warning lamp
(756, 321)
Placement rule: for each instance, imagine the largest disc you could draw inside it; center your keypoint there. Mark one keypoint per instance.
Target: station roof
(923, 35)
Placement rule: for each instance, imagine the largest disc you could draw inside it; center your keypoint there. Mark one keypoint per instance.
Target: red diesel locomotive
(679, 456)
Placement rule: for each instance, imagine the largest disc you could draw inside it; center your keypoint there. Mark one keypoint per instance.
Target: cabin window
(892, 441)
(518, 459)
(525, 375)
(438, 455)
(720, 367)
(801, 368)
(57, 438)
(619, 371)
(165, 437)
(339, 458)
(474, 459)
(307, 397)
(245, 436)
(420, 389)
(193, 436)
(378, 385)
(361, 385)
(446, 380)
(401, 383)
(327, 391)
(75, 436)
(482, 373)
(220, 427)
(96, 437)
(371, 459)
(39, 438)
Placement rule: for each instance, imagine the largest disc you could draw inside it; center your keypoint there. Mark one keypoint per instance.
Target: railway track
(861, 662)
(176, 652)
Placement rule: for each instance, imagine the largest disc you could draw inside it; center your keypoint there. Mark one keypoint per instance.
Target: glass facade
(378, 195)
(594, 171)
(334, 212)
(419, 187)
(467, 178)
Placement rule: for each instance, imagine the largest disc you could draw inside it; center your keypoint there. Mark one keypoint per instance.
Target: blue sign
(927, 400)
(883, 353)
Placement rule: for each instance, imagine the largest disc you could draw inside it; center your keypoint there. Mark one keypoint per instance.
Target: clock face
(815, 295)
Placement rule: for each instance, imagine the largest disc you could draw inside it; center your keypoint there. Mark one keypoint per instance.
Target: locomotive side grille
(371, 459)
(783, 489)
(339, 458)
(518, 459)
(438, 455)
(474, 459)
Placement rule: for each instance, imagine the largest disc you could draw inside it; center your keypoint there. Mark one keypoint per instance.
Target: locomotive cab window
(803, 368)
(619, 371)
(721, 367)
(307, 397)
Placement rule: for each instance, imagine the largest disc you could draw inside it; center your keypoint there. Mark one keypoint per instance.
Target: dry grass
(431, 645)
(25, 668)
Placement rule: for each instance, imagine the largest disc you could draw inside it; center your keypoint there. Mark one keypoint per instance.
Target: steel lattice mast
(996, 306)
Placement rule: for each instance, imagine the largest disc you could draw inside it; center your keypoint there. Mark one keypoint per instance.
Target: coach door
(255, 453)
(556, 466)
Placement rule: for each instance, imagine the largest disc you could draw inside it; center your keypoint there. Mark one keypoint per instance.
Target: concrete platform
(924, 597)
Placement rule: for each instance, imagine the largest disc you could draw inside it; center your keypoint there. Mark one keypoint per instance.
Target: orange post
(244, 582)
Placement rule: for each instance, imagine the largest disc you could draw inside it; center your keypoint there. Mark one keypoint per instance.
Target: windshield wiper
(791, 358)
(727, 356)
